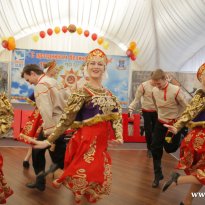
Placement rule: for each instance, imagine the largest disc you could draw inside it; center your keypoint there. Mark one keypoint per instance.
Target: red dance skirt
(87, 165)
(5, 190)
(192, 154)
(33, 126)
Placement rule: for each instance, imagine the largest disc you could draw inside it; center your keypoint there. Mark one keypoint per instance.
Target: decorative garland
(72, 29)
(132, 51)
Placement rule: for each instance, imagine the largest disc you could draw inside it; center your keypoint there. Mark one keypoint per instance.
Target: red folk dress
(192, 154)
(87, 167)
(5, 190)
(33, 126)
(192, 149)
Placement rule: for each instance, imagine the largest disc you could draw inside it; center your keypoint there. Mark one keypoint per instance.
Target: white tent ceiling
(169, 33)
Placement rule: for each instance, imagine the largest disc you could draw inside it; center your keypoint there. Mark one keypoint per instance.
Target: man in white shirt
(50, 100)
(144, 95)
(170, 102)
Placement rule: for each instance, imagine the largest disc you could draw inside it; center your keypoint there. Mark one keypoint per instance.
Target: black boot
(157, 172)
(40, 183)
(173, 179)
(155, 183)
(26, 164)
(51, 169)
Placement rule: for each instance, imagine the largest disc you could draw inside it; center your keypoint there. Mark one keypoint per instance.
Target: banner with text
(71, 73)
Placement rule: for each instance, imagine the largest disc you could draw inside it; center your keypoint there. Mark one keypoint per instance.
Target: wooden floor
(132, 178)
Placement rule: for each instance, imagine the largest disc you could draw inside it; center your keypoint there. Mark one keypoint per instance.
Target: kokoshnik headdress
(97, 53)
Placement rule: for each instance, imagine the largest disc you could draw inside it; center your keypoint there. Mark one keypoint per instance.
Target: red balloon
(94, 36)
(133, 57)
(49, 31)
(86, 33)
(42, 34)
(5, 43)
(129, 52)
(64, 29)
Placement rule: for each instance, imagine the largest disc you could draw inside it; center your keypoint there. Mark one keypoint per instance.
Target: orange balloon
(11, 45)
(11, 39)
(57, 29)
(100, 40)
(79, 30)
(132, 45)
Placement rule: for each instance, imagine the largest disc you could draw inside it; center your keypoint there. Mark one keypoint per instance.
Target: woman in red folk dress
(91, 110)
(6, 118)
(192, 150)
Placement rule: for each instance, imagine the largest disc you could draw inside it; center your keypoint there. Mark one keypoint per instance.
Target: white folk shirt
(50, 100)
(170, 102)
(143, 95)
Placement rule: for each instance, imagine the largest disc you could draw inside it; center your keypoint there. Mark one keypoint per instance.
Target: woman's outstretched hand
(35, 143)
(113, 143)
(171, 128)
(41, 144)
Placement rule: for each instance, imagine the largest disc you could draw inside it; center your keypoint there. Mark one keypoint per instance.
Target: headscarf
(49, 66)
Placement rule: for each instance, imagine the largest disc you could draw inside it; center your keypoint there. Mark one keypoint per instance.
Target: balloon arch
(132, 51)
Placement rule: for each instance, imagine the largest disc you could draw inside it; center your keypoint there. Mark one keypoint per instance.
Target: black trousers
(57, 156)
(158, 143)
(150, 119)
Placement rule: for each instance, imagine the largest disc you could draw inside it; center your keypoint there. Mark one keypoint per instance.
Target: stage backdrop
(70, 72)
